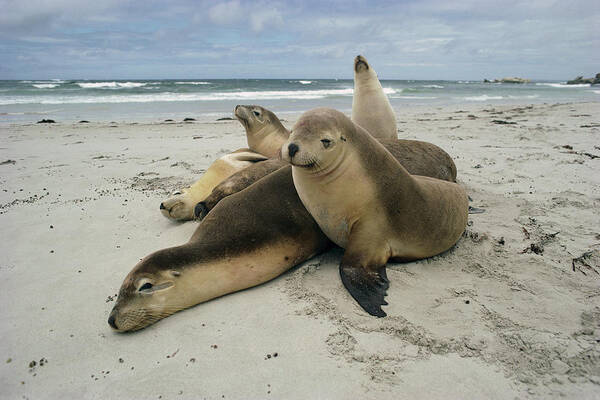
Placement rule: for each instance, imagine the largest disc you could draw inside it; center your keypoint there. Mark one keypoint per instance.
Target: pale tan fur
(371, 108)
(197, 283)
(265, 135)
(181, 206)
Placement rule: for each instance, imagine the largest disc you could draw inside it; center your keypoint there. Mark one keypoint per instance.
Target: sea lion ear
(175, 273)
(343, 138)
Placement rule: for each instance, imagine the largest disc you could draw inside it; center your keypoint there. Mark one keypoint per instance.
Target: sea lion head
(255, 118)
(264, 131)
(363, 72)
(360, 64)
(318, 141)
(148, 294)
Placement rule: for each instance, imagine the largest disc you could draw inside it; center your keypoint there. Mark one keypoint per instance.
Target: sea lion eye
(257, 113)
(326, 142)
(145, 286)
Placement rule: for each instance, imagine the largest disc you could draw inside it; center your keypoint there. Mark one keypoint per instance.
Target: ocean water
(155, 100)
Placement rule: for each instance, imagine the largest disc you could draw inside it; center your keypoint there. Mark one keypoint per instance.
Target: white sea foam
(305, 82)
(46, 85)
(596, 91)
(170, 97)
(414, 97)
(563, 85)
(390, 90)
(193, 83)
(531, 96)
(433, 86)
(484, 97)
(110, 85)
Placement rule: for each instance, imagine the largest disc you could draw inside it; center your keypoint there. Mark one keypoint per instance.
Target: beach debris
(11, 162)
(189, 119)
(501, 122)
(197, 137)
(173, 355)
(169, 120)
(585, 261)
(83, 121)
(111, 298)
(475, 210)
(538, 247)
(570, 150)
(592, 125)
(213, 346)
(46, 121)
(225, 119)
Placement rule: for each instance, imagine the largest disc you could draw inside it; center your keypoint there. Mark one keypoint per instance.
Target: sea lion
(264, 133)
(371, 108)
(180, 206)
(249, 238)
(365, 201)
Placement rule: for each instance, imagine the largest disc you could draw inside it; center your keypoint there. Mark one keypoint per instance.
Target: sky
(404, 39)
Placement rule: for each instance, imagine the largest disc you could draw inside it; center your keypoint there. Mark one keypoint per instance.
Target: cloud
(259, 20)
(465, 39)
(226, 13)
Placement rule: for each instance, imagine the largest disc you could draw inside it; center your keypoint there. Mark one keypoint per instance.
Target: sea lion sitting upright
(371, 108)
(365, 201)
(264, 133)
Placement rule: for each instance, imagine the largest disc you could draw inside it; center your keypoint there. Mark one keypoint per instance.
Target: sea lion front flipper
(368, 287)
(363, 271)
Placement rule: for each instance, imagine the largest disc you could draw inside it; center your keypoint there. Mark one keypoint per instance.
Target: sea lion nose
(292, 149)
(236, 107)
(111, 320)
(162, 206)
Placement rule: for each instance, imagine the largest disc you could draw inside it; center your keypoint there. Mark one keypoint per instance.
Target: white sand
(79, 208)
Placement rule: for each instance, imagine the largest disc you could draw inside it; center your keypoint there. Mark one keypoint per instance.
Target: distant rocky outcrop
(581, 80)
(513, 79)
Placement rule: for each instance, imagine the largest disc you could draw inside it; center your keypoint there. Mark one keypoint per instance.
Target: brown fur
(265, 217)
(394, 214)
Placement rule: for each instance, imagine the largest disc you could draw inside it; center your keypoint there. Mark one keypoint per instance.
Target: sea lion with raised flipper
(365, 201)
(371, 108)
(264, 133)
